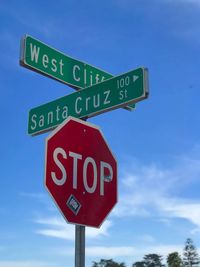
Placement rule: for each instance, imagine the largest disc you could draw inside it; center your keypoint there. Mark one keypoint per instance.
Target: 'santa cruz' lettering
(113, 93)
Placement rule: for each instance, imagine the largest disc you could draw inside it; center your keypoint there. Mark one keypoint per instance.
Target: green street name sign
(41, 58)
(116, 92)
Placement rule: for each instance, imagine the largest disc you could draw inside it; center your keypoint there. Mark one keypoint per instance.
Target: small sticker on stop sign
(73, 204)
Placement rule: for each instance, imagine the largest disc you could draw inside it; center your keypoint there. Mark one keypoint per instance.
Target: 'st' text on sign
(116, 92)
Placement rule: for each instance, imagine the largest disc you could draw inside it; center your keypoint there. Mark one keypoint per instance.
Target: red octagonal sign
(81, 172)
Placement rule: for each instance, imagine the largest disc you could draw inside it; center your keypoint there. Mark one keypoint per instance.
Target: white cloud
(55, 227)
(147, 238)
(102, 231)
(25, 264)
(163, 250)
(58, 228)
(152, 190)
(110, 252)
(131, 205)
(131, 252)
(102, 251)
(182, 209)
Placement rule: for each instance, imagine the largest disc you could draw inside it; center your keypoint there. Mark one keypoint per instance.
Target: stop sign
(81, 172)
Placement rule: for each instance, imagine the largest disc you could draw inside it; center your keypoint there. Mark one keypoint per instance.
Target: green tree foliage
(139, 264)
(149, 260)
(174, 260)
(191, 257)
(153, 260)
(108, 263)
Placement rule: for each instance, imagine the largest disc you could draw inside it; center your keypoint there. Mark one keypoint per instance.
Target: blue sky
(157, 145)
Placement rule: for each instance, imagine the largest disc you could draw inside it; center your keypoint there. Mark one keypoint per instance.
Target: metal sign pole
(79, 246)
(80, 241)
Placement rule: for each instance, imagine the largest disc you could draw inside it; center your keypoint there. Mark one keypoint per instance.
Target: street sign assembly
(80, 169)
